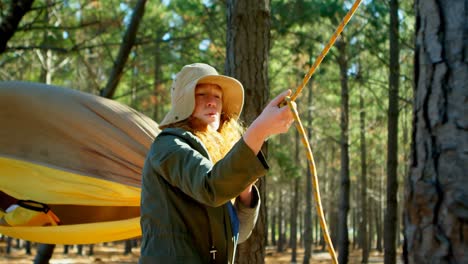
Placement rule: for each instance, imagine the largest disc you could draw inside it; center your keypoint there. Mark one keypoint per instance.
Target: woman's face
(208, 104)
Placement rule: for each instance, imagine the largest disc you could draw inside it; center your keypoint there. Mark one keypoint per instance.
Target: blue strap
(234, 219)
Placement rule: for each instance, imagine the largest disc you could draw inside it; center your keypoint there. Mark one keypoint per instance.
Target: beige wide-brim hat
(183, 92)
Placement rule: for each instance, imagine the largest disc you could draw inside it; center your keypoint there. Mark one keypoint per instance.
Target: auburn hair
(218, 143)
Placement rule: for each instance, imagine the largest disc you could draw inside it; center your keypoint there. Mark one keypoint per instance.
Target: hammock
(78, 153)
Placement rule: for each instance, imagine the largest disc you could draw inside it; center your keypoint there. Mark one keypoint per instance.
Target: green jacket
(184, 199)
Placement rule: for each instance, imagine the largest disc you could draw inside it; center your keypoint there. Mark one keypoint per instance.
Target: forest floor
(113, 253)
(321, 257)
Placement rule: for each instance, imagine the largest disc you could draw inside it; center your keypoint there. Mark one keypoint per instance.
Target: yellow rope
(305, 141)
(318, 201)
(326, 49)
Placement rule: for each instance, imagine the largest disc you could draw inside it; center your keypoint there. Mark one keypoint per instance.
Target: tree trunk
(125, 48)
(331, 184)
(370, 217)
(281, 240)
(9, 23)
(266, 223)
(79, 250)
(343, 240)
(356, 213)
(46, 57)
(66, 248)
(354, 217)
(295, 205)
(308, 224)
(437, 187)
(91, 250)
(27, 248)
(317, 238)
(405, 129)
(390, 221)
(274, 220)
(8, 245)
(248, 43)
(158, 89)
(128, 246)
(378, 214)
(363, 234)
(291, 210)
(294, 219)
(44, 253)
(301, 228)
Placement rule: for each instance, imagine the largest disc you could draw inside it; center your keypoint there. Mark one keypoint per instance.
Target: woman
(199, 163)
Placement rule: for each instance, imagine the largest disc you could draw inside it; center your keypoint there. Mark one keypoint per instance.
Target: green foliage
(285, 166)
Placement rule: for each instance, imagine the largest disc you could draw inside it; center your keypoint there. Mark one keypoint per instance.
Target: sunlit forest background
(130, 51)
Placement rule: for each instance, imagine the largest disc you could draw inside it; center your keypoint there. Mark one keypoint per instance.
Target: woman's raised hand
(273, 120)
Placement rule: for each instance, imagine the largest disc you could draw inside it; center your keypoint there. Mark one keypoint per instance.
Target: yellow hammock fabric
(80, 154)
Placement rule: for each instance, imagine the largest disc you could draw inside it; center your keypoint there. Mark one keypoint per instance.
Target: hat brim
(233, 98)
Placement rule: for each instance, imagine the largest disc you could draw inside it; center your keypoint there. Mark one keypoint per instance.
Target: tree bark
(44, 253)
(363, 233)
(27, 247)
(11, 20)
(128, 246)
(45, 57)
(248, 43)
(158, 89)
(281, 240)
(378, 214)
(79, 250)
(308, 239)
(330, 183)
(266, 223)
(295, 205)
(343, 239)
(370, 217)
(125, 48)
(390, 221)
(436, 194)
(354, 218)
(8, 245)
(91, 250)
(274, 217)
(66, 249)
